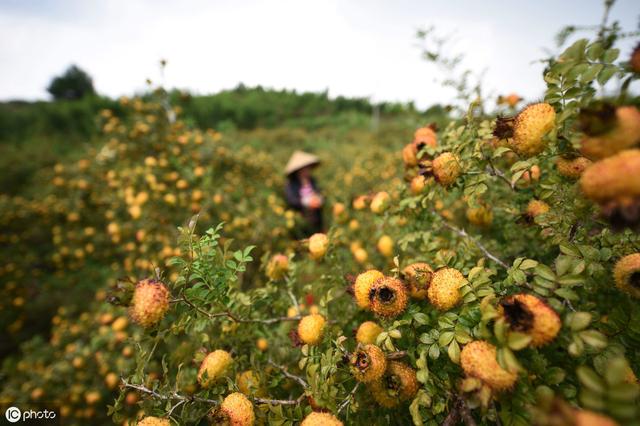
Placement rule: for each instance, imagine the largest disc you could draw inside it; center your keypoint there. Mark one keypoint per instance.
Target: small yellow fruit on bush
(362, 287)
(530, 128)
(398, 384)
(213, 366)
(318, 244)
(478, 359)
(612, 179)
(624, 135)
(237, 410)
(368, 363)
(572, 168)
(360, 255)
(418, 183)
(317, 418)
(311, 329)
(418, 277)
(277, 267)
(154, 421)
(385, 246)
(480, 216)
(360, 202)
(528, 314)
(536, 208)
(444, 290)
(626, 274)
(150, 302)
(389, 297)
(446, 168)
(368, 332)
(262, 344)
(380, 202)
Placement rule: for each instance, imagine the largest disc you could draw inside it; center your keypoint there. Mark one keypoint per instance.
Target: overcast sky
(353, 48)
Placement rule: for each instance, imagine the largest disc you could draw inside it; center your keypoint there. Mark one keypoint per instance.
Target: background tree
(75, 83)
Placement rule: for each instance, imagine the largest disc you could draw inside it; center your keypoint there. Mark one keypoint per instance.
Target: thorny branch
(174, 396)
(235, 318)
(284, 370)
(481, 247)
(349, 397)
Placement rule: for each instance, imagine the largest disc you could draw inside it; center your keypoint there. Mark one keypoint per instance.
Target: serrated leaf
(454, 352)
(445, 338)
(590, 380)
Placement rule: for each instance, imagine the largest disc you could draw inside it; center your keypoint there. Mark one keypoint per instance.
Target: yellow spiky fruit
(536, 208)
(154, 421)
(389, 297)
(367, 333)
(481, 216)
(213, 367)
(410, 155)
(318, 244)
(446, 168)
(478, 359)
(362, 287)
(418, 278)
(380, 202)
(317, 418)
(529, 315)
(385, 246)
(238, 410)
(425, 136)
(610, 179)
(368, 363)
(530, 128)
(311, 329)
(277, 267)
(626, 274)
(444, 290)
(624, 135)
(150, 302)
(399, 383)
(418, 184)
(572, 168)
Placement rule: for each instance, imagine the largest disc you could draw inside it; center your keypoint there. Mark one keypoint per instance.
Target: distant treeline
(241, 107)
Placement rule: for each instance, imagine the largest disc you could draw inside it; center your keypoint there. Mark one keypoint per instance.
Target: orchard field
(480, 265)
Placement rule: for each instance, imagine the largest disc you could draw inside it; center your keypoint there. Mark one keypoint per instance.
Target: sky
(362, 48)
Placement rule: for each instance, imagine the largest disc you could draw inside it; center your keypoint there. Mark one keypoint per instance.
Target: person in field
(302, 193)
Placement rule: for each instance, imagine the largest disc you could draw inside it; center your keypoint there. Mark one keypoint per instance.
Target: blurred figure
(302, 193)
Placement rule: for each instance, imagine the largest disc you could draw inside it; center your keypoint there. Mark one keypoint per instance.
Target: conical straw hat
(299, 160)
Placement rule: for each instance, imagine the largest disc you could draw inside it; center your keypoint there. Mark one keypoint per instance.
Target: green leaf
(611, 55)
(575, 51)
(420, 318)
(545, 272)
(434, 351)
(518, 341)
(590, 380)
(594, 51)
(579, 320)
(606, 74)
(567, 293)
(528, 264)
(454, 352)
(445, 338)
(594, 338)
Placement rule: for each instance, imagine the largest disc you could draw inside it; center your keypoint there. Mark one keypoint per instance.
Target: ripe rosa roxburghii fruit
(418, 278)
(613, 177)
(213, 367)
(536, 208)
(150, 302)
(446, 168)
(368, 332)
(399, 383)
(262, 344)
(624, 135)
(154, 421)
(362, 287)
(425, 136)
(360, 202)
(388, 297)
(368, 363)
(480, 216)
(418, 183)
(410, 155)
(572, 168)
(444, 290)
(237, 410)
(530, 128)
(318, 244)
(385, 246)
(626, 274)
(311, 329)
(380, 202)
(528, 314)
(478, 359)
(321, 419)
(277, 267)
